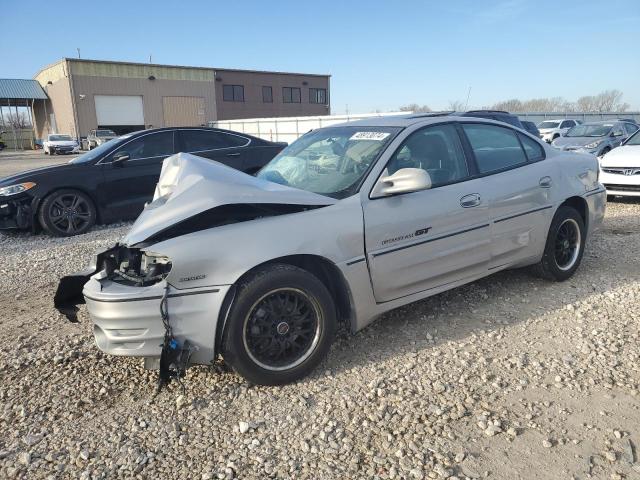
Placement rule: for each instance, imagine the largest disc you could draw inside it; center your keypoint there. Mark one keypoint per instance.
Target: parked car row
(596, 138)
(344, 224)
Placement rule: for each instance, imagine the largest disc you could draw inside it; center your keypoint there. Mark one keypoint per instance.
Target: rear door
(128, 186)
(227, 148)
(423, 240)
(519, 186)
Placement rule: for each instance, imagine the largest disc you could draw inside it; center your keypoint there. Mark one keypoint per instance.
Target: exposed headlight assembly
(15, 189)
(593, 144)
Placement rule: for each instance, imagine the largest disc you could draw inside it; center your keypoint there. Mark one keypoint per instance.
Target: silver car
(346, 223)
(597, 138)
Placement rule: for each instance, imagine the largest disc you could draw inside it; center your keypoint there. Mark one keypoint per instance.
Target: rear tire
(280, 326)
(564, 247)
(67, 212)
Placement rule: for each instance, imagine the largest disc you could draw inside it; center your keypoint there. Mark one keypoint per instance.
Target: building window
(233, 93)
(291, 95)
(267, 95)
(318, 95)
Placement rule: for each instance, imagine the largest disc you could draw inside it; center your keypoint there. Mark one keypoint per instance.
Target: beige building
(88, 94)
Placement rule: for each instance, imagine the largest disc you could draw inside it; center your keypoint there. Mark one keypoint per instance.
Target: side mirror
(616, 134)
(405, 180)
(119, 159)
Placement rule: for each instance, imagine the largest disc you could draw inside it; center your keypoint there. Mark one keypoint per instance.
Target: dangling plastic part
(174, 358)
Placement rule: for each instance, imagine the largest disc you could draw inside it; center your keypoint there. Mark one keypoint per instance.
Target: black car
(115, 180)
(498, 115)
(531, 128)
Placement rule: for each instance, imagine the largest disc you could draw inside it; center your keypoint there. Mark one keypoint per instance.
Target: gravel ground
(509, 377)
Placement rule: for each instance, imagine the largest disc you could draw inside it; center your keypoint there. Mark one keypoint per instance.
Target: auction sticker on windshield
(377, 136)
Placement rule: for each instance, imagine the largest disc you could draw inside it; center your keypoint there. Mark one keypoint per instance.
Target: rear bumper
(127, 319)
(597, 205)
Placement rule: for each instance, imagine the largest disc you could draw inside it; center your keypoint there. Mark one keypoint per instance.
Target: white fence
(288, 129)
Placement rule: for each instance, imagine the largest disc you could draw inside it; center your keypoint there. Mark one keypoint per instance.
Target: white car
(56, 143)
(552, 129)
(620, 169)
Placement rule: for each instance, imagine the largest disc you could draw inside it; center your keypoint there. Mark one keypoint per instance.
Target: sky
(380, 54)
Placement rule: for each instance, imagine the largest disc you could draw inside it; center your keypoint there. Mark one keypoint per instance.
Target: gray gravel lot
(509, 377)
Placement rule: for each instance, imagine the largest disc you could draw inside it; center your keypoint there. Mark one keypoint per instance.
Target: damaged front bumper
(16, 214)
(126, 316)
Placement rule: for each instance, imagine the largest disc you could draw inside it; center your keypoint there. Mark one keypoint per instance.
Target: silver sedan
(346, 223)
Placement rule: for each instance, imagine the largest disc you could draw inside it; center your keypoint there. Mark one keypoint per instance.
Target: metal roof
(21, 89)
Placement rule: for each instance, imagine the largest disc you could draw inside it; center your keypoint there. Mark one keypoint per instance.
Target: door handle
(471, 200)
(237, 154)
(545, 182)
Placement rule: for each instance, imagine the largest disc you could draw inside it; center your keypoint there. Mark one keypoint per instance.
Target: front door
(130, 184)
(431, 238)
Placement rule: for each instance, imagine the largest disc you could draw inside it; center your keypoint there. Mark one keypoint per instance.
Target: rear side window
(495, 148)
(631, 129)
(435, 149)
(201, 140)
(532, 149)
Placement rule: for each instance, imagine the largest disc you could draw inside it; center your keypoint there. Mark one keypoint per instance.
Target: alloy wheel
(567, 244)
(70, 213)
(282, 329)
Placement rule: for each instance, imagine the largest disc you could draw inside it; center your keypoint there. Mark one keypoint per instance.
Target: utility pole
(78, 49)
(466, 106)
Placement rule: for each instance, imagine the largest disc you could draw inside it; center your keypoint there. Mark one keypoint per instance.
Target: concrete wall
(152, 92)
(254, 107)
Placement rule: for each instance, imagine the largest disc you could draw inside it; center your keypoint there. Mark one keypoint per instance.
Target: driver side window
(437, 150)
(148, 146)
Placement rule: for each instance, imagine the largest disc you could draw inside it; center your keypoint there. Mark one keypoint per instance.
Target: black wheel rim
(282, 329)
(70, 213)
(567, 244)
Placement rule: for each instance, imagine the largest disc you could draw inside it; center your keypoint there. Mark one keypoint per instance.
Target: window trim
(505, 169)
(317, 89)
(103, 161)
(470, 165)
(270, 93)
(233, 93)
(292, 89)
(210, 130)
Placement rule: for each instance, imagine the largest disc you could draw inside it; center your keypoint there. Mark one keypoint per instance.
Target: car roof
(195, 127)
(403, 121)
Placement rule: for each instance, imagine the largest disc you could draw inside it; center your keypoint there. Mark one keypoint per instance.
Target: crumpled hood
(624, 156)
(190, 185)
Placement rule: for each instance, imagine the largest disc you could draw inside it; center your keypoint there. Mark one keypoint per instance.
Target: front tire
(67, 212)
(280, 326)
(565, 246)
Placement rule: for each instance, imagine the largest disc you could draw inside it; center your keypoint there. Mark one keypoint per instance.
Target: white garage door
(119, 110)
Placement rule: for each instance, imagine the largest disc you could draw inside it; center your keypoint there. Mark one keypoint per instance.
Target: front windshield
(100, 150)
(634, 140)
(549, 124)
(60, 138)
(593, 130)
(105, 133)
(329, 161)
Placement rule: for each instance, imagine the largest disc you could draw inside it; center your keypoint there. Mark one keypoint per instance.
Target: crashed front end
(141, 298)
(124, 291)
